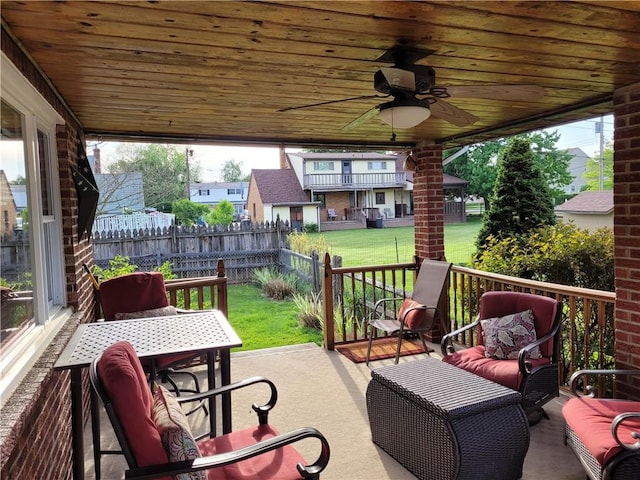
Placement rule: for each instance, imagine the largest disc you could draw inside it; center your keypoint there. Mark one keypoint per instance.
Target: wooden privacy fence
(587, 328)
(194, 251)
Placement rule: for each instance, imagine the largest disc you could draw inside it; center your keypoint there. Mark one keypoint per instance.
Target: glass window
(322, 165)
(16, 278)
(32, 279)
(320, 197)
(380, 198)
(203, 193)
(376, 165)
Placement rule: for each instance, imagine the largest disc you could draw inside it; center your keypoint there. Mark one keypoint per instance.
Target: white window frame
(47, 249)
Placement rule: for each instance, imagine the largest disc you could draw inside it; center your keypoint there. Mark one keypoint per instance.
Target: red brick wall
(35, 439)
(428, 202)
(626, 198)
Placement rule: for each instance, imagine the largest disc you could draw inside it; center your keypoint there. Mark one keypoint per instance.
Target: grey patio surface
(325, 390)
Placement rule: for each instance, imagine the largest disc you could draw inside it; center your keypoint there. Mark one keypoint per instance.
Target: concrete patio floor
(325, 390)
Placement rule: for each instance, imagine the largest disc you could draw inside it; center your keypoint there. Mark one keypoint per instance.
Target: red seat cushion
(414, 318)
(591, 418)
(125, 383)
(504, 372)
(278, 464)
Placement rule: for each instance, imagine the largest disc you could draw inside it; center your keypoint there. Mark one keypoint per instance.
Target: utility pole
(188, 153)
(600, 130)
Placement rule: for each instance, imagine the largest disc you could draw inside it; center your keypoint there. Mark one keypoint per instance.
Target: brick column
(428, 202)
(626, 200)
(428, 210)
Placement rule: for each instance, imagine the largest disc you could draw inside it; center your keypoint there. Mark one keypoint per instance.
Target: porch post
(428, 201)
(626, 200)
(428, 215)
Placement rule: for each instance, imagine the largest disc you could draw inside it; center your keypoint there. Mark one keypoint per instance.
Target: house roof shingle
(598, 203)
(279, 186)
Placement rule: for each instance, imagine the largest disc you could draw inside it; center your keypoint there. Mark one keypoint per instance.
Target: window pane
(16, 297)
(46, 189)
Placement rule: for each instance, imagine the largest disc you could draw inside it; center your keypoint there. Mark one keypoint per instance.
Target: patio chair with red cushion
(417, 314)
(142, 295)
(604, 433)
(518, 346)
(157, 442)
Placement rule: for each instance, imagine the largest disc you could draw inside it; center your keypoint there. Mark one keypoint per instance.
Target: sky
(211, 158)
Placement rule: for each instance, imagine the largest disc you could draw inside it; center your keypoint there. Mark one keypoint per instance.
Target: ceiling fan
(416, 96)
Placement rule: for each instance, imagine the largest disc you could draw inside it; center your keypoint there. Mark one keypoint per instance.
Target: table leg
(211, 383)
(225, 379)
(77, 440)
(95, 433)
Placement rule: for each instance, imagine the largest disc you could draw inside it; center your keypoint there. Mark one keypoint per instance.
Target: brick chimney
(284, 160)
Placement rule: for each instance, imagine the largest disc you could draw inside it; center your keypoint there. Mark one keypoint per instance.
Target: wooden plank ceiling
(221, 71)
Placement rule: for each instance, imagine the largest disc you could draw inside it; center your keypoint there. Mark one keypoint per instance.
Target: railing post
(222, 288)
(327, 303)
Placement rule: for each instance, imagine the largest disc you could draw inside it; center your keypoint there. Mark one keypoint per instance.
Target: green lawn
(262, 322)
(378, 246)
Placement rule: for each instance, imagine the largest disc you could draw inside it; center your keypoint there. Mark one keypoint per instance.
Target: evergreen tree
(521, 200)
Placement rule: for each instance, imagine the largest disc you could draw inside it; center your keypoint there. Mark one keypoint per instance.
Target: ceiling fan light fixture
(403, 114)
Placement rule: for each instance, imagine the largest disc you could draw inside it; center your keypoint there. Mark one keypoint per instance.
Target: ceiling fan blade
(399, 78)
(369, 114)
(452, 114)
(497, 92)
(362, 97)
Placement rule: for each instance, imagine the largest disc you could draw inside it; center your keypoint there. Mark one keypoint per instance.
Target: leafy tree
(231, 171)
(478, 165)
(19, 180)
(520, 201)
(187, 212)
(592, 174)
(163, 168)
(221, 214)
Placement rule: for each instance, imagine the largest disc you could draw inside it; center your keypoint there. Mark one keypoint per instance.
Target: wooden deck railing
(190, 293)
(587, 327)
(198, 293)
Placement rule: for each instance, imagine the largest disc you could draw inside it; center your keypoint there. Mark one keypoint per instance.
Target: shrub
(566, 255)
(310, 228)
(561, 254)
(120, 265)
(305, 244)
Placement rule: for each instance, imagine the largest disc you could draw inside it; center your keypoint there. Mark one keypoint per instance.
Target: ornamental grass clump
(275, 284)
(309, 309)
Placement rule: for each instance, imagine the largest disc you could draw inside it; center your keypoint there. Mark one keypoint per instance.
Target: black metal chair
(535, 378)
(156, 439)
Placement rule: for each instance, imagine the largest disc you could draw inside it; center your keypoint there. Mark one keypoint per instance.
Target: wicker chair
(156, 438)
(418, 313)
(535, 378)
(604, 433)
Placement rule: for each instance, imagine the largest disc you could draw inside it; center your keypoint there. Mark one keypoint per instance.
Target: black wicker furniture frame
(443, 423)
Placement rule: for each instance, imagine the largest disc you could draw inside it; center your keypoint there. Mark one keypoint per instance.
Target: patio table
(443, 423)
(205, 332)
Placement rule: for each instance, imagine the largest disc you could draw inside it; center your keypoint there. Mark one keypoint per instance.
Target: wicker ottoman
(442, 422)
